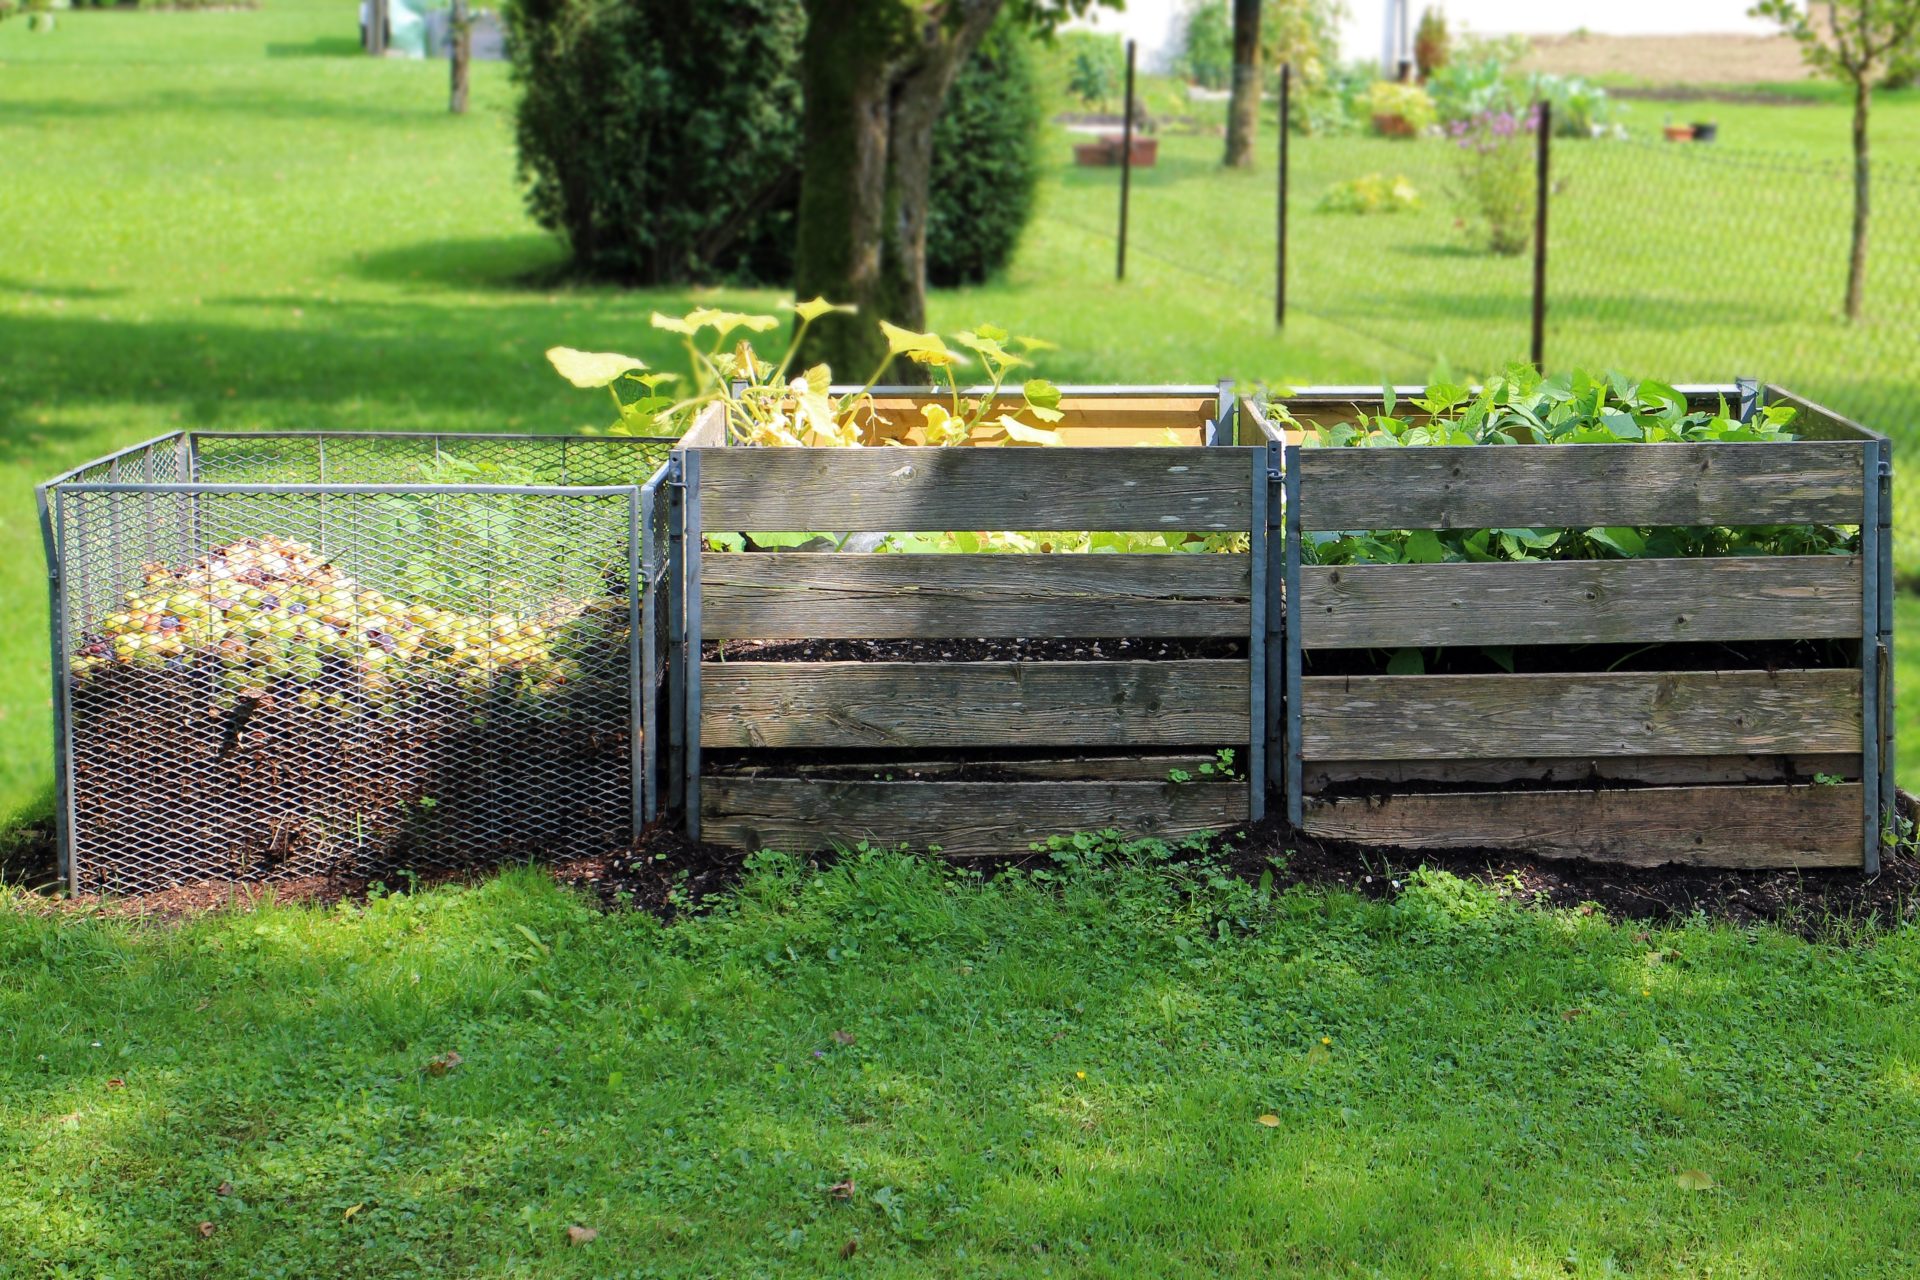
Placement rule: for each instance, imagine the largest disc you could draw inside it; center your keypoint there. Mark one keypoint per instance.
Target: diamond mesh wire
(289, 681)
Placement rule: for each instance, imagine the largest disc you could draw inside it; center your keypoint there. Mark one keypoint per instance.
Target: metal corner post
(690, 644)
(1871, 728)
(1258, 523)
(675, 772)
(1889, 789)
(1275, 675)
(639, 507)
(1290, 476)
(47, 502)
(1226, 415)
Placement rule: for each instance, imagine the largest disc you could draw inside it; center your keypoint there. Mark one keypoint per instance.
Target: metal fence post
(1280, 259)
(47, 502)
(1543, 149)
(1126, 169)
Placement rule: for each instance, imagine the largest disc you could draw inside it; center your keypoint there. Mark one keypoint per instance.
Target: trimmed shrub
(658, 137)
(986, 161)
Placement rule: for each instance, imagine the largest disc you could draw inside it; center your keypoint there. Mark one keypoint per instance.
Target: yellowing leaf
(591, 368)
(1020, 433)
(1270, 1120)
(674, 324)
(817, 307)
(1318, 1053)
(1695, 1180)
(905, 342)
(819, 379)
(942, 427)
(351, 1210)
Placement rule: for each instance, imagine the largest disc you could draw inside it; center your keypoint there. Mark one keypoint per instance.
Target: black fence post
(1280, 253)
(1542, 148)
(1126, 168)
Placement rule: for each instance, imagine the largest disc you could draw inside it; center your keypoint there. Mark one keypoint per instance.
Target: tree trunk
(1243, 109)
(1857, 258)
(874, 80)
(461, 29)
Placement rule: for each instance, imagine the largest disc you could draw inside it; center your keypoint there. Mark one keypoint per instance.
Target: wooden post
(1280, 260)
(460, 30)
(1126, 168)
(1542, 150)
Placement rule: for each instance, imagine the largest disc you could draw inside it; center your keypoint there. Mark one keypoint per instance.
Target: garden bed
(980, 702)
(289, 655)
(1693, 745)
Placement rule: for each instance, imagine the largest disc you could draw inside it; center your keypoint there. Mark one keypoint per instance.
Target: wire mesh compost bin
(332, 653)
(1665, 702)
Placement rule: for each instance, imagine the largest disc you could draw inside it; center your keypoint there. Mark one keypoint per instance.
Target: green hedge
(661, 140)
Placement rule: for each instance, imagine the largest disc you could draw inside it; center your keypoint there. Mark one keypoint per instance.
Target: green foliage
(1097, 68)
(1494, 178)
(1370, 193)
(657, 136)
(1206, 45)
(986, 161)
(1852, 40)
(1522, 407)
(1387, 100)
(1432, 43)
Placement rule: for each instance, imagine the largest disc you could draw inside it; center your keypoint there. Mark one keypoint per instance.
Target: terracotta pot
(1394, 126)
(1107, 150)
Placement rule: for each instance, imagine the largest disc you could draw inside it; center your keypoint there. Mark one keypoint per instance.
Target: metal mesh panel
(354, 458)
(269, 684)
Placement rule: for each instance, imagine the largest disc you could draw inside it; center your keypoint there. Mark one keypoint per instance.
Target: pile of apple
(275, 613)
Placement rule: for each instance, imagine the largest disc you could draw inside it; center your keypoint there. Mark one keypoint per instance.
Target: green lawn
(1021, 1078)
(231, 220)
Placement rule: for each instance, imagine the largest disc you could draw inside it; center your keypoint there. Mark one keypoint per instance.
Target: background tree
(1243, 108)
(874, 74)
(1854, 42)
(460, 59)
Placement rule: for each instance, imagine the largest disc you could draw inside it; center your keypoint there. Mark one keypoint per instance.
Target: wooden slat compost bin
(1729, 762)
(978, 749)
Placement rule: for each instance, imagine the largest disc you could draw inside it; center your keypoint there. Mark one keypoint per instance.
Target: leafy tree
(1206, 45)
(1094, 76)
(1854, 42)
(986, 160)
(874, 74)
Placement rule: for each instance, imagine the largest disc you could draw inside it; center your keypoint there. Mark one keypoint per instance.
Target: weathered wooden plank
(961, 819)
(1197, 702)
(823, 596)
(709, 429)
(1616, 713)
(1091, 421)
(1157, 767)
(1739, 826)
(1579, 602)
(1577, 770)
(1576, 486)
(914, 490)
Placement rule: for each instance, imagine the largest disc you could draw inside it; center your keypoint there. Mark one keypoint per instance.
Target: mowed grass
(886, 1069)
(231, 220)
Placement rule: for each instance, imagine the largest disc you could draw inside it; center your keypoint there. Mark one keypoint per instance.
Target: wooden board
(1584, 770)
(966, 704)
(1076, 768)
(1579, 602)
(1598, 713)
(784, 595)
(963, 819)
(1577, 486)
(1740, 826)
(709, 429)
(1093, 421)
(932, 490)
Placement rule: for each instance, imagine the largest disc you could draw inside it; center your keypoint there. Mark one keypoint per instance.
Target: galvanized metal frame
(676, 773)
(1870, 727)
(652, 661)
(1258, 523)
(1290, 478)
(690, 647)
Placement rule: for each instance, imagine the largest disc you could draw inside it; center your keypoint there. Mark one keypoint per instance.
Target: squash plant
(1522, 407)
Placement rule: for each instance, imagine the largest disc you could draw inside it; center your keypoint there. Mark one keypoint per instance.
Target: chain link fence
(345, 654)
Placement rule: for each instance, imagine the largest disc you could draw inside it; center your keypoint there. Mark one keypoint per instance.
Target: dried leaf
(351, 1210)
(444, 1063)
(843, 1038)
(581, 1235)
(224, 1189)
(206, 1229)
(842, 1190)
(1695, 1180)
(851, 1247)
(116, 1083)
(1571, 1014)
(1270, 1120)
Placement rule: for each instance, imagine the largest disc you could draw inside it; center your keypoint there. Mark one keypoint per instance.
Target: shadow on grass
(319, 47)
(529, 261)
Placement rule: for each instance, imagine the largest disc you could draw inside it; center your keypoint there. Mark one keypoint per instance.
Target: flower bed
(1587, 619)
(285, 655)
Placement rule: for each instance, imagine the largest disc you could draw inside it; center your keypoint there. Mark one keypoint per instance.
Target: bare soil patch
(1680, 62)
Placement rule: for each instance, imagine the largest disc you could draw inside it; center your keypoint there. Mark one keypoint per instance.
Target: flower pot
(1706, 132)
(1394, 126)
(1679, 133)
(1107, 151)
